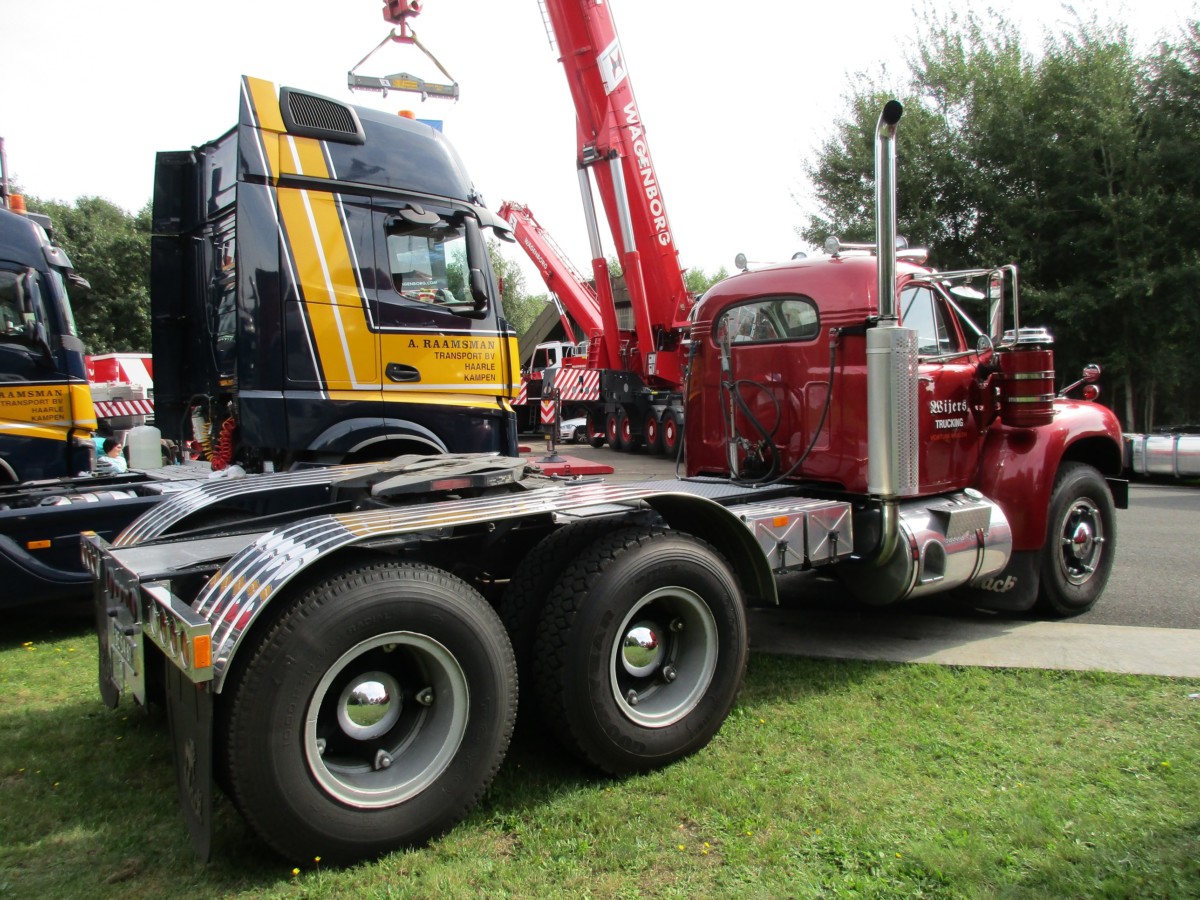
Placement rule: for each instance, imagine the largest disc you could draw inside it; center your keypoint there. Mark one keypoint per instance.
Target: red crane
(636, 375)
(614, 150)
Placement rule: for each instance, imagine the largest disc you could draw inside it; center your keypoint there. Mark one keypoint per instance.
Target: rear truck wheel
(641, 649)
(1081, 541)
(373, 714)
(596, 431)
(626, 437)
(652, 431)
(612, 431)
(671, 433)
(520, 605)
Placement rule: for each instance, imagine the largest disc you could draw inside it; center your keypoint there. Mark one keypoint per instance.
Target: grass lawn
(829, 779)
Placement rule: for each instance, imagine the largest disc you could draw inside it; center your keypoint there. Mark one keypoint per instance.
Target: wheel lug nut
(632, 698)
(425, 697)
(382, 760)
(677, 625)
(669, 674)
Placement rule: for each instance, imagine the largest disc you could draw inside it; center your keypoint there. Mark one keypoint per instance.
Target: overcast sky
(736, 96)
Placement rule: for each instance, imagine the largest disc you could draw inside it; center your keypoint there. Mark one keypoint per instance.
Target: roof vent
(308, 115)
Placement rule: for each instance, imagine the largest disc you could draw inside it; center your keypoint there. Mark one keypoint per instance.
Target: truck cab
(46, 412)
(779, 391)
(321, 290)
(781, 325)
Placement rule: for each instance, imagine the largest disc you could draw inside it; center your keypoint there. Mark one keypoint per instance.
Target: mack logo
(998, 585)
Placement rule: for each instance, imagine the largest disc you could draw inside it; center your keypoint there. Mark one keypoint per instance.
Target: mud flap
(110, 693)
(1014, 589)
(190, 713)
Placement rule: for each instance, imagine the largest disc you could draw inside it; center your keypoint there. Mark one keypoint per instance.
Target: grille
(317, 112)
(311, 116)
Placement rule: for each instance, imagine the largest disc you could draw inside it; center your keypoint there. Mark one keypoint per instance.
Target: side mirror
(35, 335)
(477, 284)
(28, 290)
(479, 289)
(477, 280)
(1091, 374)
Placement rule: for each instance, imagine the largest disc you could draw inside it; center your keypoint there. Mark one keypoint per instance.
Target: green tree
(520, 308)
(111, 249)
(698, 281)
(1074, 162)
(1171, 123)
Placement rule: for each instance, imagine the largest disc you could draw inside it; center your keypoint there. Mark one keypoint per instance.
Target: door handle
(400, 372)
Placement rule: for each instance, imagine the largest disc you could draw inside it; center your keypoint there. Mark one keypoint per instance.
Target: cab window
(921, 309)
(428, 264)
(12, 322)
(769, 319)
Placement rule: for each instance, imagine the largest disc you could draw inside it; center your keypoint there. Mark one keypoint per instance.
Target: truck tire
(628, 439)
(520, 605)
(652, 431)
(1081, 541)
(612, 431)
(671, 433)
(641, 649)
(372, 715)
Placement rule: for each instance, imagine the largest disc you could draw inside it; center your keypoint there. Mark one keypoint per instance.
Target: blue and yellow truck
(322, 292)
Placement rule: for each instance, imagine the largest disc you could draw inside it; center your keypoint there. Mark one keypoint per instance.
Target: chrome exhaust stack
(891, 357)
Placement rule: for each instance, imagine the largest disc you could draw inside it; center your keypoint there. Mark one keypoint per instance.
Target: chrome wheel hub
(369, 706)
(386, 720)
(641, 650)
(1082, 541)
(664, 657)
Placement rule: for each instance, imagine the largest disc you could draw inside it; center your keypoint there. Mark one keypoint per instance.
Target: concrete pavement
(994, 643)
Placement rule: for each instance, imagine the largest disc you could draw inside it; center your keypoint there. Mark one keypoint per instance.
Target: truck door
(949, 435)
(780, 374)
(435, 345)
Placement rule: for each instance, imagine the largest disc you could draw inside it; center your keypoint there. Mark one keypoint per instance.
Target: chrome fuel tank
(945, 542)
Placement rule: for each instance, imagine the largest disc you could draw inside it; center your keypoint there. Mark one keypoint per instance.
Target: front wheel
(1081, 541)
(373, 714)
(641, 650)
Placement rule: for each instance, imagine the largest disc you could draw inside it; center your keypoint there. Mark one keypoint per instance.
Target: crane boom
(561, 277)
(613, 148)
